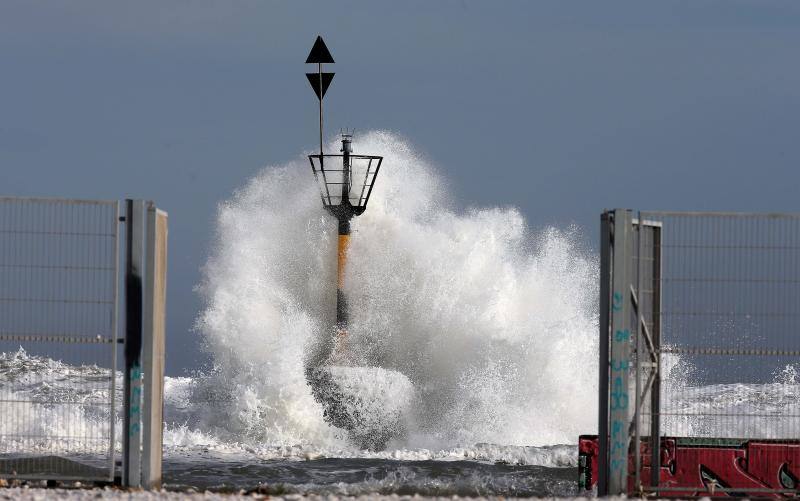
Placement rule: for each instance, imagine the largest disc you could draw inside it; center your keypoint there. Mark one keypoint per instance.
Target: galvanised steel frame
(689, 284)
(59, 279)
(59, 301)
(629, 341)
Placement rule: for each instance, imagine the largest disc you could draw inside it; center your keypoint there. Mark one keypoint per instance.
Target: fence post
(155, 288)
(655, 391)
(619, 361)
(132, 411)
(606, 226)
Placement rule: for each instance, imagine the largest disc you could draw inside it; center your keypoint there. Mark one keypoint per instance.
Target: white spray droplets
(494, 324)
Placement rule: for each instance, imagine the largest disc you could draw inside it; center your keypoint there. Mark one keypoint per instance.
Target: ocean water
(493, 323)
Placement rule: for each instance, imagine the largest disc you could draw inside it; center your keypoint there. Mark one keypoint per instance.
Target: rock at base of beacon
(371, 403)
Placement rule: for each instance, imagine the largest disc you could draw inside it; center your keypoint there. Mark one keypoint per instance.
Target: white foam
(52, 406)
(36, 426)
(494, 324)
(552, 456)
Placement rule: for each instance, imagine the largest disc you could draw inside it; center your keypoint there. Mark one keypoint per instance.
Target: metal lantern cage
(345, 180)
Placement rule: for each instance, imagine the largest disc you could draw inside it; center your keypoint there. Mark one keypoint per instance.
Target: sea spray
(494, 324)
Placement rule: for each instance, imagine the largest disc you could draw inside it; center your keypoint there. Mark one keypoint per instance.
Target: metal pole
(319, 71)
(154, 339)
(346, 148)
(114, 338)
(344, 239)
(619, 401)
(655, 390)
(637, 482)
(341, 299)
(606, 225)
(132, 430)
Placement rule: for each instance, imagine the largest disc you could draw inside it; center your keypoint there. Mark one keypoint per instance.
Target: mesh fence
(58, 341)
(729, 306)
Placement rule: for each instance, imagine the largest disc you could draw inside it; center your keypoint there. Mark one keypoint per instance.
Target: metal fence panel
(719, 304)
(58, 338)
(711, 301)
(730, 304)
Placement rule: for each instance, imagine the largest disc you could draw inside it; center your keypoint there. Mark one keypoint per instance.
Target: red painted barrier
(703, 466)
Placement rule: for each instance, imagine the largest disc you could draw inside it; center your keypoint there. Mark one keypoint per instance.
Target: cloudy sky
(560, 108)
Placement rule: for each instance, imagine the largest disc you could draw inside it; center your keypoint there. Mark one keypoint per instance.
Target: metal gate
(58, 338)
(701, 391)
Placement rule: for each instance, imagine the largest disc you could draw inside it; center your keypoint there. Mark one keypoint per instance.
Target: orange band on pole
(344, 243)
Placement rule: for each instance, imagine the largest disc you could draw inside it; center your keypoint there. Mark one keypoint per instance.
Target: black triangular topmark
(319, 53)
(314, 80)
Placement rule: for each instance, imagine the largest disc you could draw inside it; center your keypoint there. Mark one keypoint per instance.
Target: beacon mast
(345, 180)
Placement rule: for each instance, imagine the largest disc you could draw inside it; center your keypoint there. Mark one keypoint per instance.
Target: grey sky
(559, 108)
